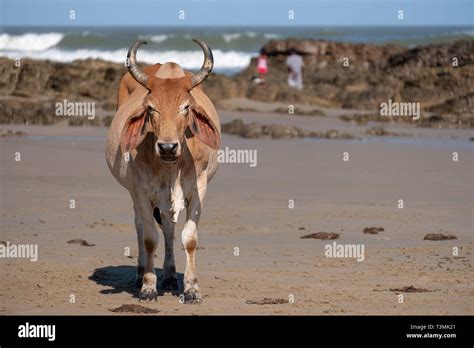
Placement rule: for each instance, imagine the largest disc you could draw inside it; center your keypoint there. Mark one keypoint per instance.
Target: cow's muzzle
(168, 152)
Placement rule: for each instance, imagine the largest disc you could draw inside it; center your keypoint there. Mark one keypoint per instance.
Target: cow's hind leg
(141, 246)
(150, 243)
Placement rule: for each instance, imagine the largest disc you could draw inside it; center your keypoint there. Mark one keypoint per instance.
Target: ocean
(232, 47)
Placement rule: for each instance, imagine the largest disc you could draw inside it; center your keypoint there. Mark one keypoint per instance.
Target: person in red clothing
(262, 67)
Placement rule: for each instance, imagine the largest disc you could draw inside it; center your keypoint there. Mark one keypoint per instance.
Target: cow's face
(169, 110)
(169, 106)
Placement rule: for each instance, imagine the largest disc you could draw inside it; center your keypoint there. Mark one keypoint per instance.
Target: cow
(162, 147)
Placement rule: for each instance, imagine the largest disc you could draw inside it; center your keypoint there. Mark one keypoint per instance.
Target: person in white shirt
(294, 62)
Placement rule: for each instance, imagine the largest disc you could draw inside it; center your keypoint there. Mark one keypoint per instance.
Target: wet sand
(248, 208)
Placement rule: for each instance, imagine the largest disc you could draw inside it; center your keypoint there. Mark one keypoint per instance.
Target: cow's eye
(151, 109)
(184, 109)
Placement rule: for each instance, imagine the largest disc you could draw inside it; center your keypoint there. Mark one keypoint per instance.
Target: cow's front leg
(170, 281)
(189, 238)
(150, 243)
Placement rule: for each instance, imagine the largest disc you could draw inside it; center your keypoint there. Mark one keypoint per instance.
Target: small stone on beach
(439, 236)
(134, 308)
(373, 230)
(81, 242)
(267, 301)
(410, 288)
(321, 235)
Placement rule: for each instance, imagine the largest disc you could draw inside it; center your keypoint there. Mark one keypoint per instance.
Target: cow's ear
(203, 128)
(135, 130)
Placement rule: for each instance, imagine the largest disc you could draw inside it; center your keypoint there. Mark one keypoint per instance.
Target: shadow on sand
(122, 279)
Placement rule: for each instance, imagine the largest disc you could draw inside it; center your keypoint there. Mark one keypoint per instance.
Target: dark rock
(233, 127)
(252, 131)
(281, 131)
(460, 105)
(10, 133)
(277, 131)
(377, 131)
(321, 235)
(439, 236)
(373, 230)
(410, 288)
(267, 301)
(134, 308)
(81, 242)
(300, 112)
(335, 134)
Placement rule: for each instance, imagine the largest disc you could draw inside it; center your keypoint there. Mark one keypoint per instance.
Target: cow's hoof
(148, 293)
(170, 284)
(192, 296)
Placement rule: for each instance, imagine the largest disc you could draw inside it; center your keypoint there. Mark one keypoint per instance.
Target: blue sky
(234, 12)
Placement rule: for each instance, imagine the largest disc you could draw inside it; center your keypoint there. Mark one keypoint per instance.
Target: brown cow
(162, 147)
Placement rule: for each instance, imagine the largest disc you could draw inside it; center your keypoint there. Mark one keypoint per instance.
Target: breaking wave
(30, 41)
(231, 60)
(159, 38)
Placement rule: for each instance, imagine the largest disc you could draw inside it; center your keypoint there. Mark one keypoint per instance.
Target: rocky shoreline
(439, 77)
(255, 130)
(278, 131)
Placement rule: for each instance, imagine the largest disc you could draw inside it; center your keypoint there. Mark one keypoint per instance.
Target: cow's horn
(132, 66)
(207, 66)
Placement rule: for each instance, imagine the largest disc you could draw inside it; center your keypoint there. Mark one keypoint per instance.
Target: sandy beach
(249, 208)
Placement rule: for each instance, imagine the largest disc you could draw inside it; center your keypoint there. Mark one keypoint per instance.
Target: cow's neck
(168, 191)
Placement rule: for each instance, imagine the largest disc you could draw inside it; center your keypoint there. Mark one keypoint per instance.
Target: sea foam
(187, 59)
(29, 41)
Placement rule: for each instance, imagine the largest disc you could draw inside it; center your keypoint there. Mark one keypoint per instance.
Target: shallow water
(441, 143)
(74, 138)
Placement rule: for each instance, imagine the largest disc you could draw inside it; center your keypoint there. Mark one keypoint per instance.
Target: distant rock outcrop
(361, 76)
(356, 76)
